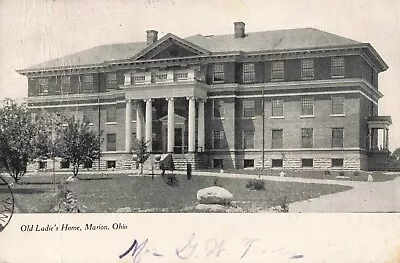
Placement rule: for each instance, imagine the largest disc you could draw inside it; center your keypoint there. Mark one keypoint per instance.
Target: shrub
(284, 206)
(327, 173)
(341, 173)
(356, 173)
(256, 184)
(171, 180)
(217, 182)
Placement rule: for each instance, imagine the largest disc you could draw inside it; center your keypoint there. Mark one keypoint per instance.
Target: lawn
(352, 175)
(102, 193)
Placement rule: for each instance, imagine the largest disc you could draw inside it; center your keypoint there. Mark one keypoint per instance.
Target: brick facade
(358, 87)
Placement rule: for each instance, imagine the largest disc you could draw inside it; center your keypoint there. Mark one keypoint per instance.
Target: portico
(172, 99)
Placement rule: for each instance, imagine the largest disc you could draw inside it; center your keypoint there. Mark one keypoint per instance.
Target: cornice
(75, 97)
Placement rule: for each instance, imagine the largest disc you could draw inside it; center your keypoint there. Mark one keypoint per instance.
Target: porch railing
(171, 76)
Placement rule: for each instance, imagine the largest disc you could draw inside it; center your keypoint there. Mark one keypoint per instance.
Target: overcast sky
(33, 31)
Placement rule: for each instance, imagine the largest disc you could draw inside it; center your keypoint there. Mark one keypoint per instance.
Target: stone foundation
(322, 159)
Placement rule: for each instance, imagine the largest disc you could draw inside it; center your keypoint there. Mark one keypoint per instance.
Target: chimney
(151, 36)
(239, 30)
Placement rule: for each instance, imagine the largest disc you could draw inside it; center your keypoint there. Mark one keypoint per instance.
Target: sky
(33, 31)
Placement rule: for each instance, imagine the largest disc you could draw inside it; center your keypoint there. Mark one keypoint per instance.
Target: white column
(383, 139)
(191, 124)
(387, 138)
(149, 123)
(128, 126)
(171, 125)
(200, 127)
(139, 120)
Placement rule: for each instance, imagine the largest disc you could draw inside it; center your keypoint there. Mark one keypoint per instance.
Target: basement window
(218, 163)
(277, 163)
(111, 164)
(338, 162)
(248, 163)
(307, 162)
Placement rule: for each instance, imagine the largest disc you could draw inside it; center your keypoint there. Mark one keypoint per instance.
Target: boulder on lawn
(214, 195)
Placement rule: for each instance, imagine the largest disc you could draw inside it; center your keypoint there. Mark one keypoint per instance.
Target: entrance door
(178, 140)
(179, 134)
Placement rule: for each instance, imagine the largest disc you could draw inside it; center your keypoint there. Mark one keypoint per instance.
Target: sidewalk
(365, 198)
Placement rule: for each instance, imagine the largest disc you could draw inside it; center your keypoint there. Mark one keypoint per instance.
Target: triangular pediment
(170, 46)
(178, 119)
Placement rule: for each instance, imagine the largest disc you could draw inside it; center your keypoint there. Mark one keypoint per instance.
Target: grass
(102, 193)
(353, 176)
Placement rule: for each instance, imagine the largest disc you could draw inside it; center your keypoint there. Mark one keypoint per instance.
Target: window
(307, 162)
(249, 74)
(66, 84)
(43, 86)
(277, 163)
(307, 107)
(307, 137)
(337, 162)
(218, 109)
(277, 139)
(218, 163)
(87, 83)
(111, 142)
(337, 137)
(248, 139)
(248, 163)
(337, 67)
(218, 137)
(369, 108)
(277, 108)
(88, 164)
(42, 165)
(218, 73)
(199, 74)
(248, 108)
(111, 164)
(64, 164)
(277, 73)
(112, 81)
(307, 69)
(368, 72)
(111, 114)
(88, 116)
(337, 105)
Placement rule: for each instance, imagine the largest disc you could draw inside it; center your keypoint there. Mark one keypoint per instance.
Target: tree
(47, 134)
(79, 143)
(47, 137)
(140, 152)
(17, 138)
(396, 155)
